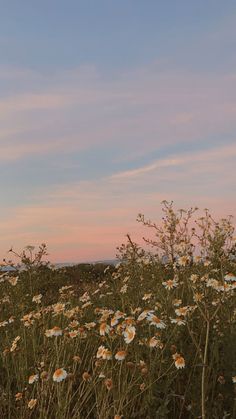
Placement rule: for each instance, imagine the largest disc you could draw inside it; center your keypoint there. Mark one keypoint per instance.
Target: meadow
(152, 337)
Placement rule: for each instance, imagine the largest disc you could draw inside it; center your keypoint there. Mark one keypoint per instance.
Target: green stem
(204, 371)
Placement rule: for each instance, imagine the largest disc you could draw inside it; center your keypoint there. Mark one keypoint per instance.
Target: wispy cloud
(88, 219)
(208, 157)
(142, 111)
(149, 168)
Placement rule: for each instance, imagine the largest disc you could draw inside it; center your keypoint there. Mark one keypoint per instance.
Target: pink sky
(98, 124)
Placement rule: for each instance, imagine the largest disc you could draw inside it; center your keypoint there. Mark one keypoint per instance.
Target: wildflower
(59, 375)
(144, 314)
(154, 342)
(170, 284)
(86, 376)
(227, 287)
(14, 344)
(37, 299)
(85, 305)
(120, 355)
(179, 361)
(129, 321)
(123, 289)
(114, 321)
(58, 308)
(194, 278)
(100, 351)
(135, 310)
(37, 315)
(106, 314)
(11, 319)
(213, 283)
(66, 291)
(13, 280)
(155, 321)
(71, 313)
(73, 334)
(129, 334)
(103, 353)
(178, 321)
(90, 325)
(108, 383)
(32, 403)
(177, 302)
(55, 331)
(104, 328)
(27, 320)
(207, 262)
(182, 311)
(147, 296)
(73, 324)
(64, 288)
(18, 396)
(183, 260)
(82, 332)
(230, 277)
(96, 291)
(107, 354)
(33, 378)
(198, 297)
(85, 297)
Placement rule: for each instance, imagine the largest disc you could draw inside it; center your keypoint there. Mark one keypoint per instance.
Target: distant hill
(65, 264)
(105, 262)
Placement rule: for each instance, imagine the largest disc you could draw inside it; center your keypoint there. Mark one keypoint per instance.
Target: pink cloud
(163, 108)
(143, 111)
(87, 220)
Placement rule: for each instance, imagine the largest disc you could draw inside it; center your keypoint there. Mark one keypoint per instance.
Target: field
(152, 337)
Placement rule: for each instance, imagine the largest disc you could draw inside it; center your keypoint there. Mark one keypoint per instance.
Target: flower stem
(204, 370)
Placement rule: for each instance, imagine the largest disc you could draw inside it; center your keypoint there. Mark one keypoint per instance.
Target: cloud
(207, 157)
(16, 151)
(87, 220)
(149, 168)
(130, 118)
(142, 110)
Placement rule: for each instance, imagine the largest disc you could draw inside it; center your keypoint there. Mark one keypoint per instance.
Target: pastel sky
(108, 107)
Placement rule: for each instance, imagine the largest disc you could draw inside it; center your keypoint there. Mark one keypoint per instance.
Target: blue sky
(108, 107)
(49, 37)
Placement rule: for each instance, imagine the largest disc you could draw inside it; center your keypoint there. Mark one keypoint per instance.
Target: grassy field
(144, 339)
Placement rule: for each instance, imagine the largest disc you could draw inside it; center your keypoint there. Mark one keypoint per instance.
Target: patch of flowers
(156, 334)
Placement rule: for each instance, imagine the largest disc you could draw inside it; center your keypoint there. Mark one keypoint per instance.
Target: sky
(107, 108)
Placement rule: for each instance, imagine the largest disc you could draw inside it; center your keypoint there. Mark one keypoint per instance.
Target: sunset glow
(108, 108)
